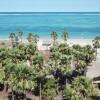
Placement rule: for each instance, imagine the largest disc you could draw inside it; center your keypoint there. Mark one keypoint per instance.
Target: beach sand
(94, 69)
(40, 43)
(71, 42)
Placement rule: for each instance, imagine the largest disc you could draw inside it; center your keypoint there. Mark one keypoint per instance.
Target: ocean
(78, 24)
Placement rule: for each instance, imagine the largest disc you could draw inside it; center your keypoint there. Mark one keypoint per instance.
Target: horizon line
(50, 11)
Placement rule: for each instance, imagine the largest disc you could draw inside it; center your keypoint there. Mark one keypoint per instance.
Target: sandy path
(94, 70)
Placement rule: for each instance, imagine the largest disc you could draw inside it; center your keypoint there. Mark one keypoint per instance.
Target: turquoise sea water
(86, 25)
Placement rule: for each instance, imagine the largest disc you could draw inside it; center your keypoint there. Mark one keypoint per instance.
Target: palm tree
(61, 60)
(65, 36)
(33, 37)
(54, 37)
(96, 43)
(49, 89)
(4, 61)
(77, 47)
(30, 52)
(30, 37)
(97, 38)
(11, 79)
(65, 49)
(81, 88)
(21, 36)
(25, 77)
(40, 75)
(89, 53)
(38, 59)
(13, 72)
(12, 39)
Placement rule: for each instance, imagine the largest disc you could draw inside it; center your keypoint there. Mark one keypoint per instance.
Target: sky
(49, 5)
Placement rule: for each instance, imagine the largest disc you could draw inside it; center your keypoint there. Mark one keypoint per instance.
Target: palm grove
(23, 69)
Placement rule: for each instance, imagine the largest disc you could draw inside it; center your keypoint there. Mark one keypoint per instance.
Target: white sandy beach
(40, 43)
(81, 42)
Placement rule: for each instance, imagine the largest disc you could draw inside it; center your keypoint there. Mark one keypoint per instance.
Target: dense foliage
(23, 70)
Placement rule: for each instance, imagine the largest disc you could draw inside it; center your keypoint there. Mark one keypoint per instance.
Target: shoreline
(40, 45)
(71, 42)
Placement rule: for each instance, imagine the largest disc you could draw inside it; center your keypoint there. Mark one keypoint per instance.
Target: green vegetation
(65, 36)
(96, 43)
(80, 89)
(22, 69)
(49, 89)
(54, 37)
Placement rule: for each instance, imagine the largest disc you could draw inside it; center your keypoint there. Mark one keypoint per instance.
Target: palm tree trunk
(66, 83)
(61, 93)
(65, 40)
(85, 70)
(54, 41)
(40, 97)
(57, 88)
(57, 91)
(96, 52)
(21, 39)
(24, 91)
(12, 94)
(5, 88)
